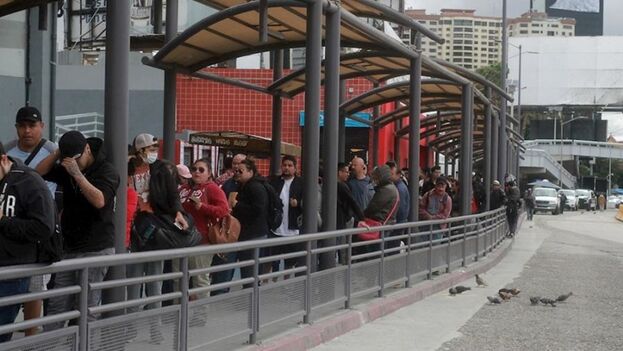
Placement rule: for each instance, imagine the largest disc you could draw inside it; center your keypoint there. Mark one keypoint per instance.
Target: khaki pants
(195, 262)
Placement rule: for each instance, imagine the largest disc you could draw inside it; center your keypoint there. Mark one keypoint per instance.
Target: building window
(457, 47)
(567, 27)
(456, 59)
(433, 23)
(467, 60)
(523, 25)
(460, 22)
(523, 32)
(551, 33)
(458, 29)
(469, 30)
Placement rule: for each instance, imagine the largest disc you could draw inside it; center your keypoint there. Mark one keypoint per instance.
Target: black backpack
(275, 207)
(51, 250)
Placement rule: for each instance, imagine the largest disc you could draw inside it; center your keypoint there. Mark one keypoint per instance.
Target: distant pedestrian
(601, 200)
(404, 202)
(530, 203)
(513, 203)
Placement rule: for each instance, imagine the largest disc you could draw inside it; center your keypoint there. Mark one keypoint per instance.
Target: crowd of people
(50, 192)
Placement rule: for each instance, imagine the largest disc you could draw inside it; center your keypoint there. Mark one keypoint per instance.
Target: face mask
(151, 157)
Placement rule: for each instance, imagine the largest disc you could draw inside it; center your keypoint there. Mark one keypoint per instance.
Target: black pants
(511, 216)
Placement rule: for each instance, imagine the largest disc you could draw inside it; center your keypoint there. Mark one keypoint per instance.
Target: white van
(546, 199)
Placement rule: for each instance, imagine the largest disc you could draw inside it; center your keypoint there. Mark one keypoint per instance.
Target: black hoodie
(86, 228)
(27, 215)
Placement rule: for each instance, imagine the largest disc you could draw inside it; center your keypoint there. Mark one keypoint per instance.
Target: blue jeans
(8, 313)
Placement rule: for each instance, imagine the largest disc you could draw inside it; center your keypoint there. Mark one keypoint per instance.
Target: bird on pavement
(494, 300)
(452, 291)
(480, 282)
(504, 290)
(515, 291)
(505, 296)
(547, 301)
(461, 288)
(534, 300)
(564, 297)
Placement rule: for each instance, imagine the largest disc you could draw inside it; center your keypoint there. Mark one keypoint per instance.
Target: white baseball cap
(144, 140)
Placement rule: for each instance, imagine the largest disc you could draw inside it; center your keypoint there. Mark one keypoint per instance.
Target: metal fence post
(382, 266)
(449, 242)
(307, 317)
(477, 241)
(429, 275)
(349, 253)
(84, 309)
(464, 243)
(408, 260)
(185, 280)
(255, 314)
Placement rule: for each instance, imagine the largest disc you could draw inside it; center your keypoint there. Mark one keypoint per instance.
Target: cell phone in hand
(178, 225)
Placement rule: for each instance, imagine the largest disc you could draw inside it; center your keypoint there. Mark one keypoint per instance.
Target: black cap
(28, 113)
(72, 144)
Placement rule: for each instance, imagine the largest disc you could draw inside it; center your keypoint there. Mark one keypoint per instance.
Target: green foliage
(492, 73)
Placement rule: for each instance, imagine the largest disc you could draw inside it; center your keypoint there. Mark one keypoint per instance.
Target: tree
(492, 73)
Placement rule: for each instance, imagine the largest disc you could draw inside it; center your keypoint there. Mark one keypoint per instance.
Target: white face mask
(151, 157)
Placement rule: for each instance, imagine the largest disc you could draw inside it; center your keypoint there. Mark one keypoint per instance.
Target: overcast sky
(612, 9)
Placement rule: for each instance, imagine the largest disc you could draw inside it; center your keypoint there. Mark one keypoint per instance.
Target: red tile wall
(204, 105)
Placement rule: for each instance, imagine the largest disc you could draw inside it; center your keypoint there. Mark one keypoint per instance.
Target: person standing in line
(206, 203)
(431, 182)
(230, 188)
(183, 176)
(89, 183)
(289, 186)
(402, 213)
(498, 198)
(251, 208)
(26, 218)
(530, 202)
(360, 185)
(30, 147)
(227, 173)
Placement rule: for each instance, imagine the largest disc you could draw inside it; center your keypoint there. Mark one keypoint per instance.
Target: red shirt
(131, 210)
(213, 205)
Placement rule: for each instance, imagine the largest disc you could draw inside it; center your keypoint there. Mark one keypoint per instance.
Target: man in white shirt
(290, 189)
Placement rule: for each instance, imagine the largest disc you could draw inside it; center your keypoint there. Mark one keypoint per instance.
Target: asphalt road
(580, 252)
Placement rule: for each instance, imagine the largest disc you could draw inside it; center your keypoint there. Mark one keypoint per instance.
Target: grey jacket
(384, 199)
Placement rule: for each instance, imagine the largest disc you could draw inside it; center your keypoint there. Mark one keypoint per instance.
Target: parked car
(547, 199)
(614, 201)
(586, 199)
(572, 200)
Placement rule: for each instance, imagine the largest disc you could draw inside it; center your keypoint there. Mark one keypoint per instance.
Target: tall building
(588, 14)
(538, 24)
(470, 41)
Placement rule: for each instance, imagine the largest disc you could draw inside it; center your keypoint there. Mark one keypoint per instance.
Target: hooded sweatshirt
(214, 205)
(385, 197)
(86, 228)
(27, 215)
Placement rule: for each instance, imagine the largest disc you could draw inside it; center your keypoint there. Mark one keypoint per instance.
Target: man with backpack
(30, 147)
(26, 224)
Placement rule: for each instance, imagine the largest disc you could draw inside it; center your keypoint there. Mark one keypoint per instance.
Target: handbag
(160, 232)
(224, 231)
(369, 222)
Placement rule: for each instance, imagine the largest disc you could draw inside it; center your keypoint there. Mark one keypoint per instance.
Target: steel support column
(116, 110)
(157, 20)
(495, 132)
(341, 144)
(397, 127)
(415, 100)
(467, 138)
(330, 132)
(376, 112)
(311, 135)
(487, 156)
(168, 129)
(503, 137)
(438, 130)
(275, 146)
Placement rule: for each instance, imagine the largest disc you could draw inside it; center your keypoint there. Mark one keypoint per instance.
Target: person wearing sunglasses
(206, 203)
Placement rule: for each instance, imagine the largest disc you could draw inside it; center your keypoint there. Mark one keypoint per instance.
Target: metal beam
(277, 116)
(341, 148)
(330, 133)
(487, 154)
(170, 94)
(466, 147)
(117, 112)
(157, 6)
(415, 91)
(502, 136)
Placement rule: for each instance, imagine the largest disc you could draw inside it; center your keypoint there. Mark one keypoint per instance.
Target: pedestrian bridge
(571, 148)
(539, 161)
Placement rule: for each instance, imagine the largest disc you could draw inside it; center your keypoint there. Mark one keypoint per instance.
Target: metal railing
(196, 317)
(90, 124)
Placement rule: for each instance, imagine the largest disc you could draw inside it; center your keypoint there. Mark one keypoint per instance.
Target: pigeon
(515, 291)
(480, 281)
(504, 290)
(547, 301)
(494, 300)
(461, 288)
(505, 296)
(564, 297)
(534, 300)
(452, 291)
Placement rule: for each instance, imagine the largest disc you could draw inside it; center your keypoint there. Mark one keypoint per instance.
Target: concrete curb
(343, 322)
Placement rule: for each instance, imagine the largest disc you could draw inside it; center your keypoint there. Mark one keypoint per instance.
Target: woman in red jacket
(206, 203)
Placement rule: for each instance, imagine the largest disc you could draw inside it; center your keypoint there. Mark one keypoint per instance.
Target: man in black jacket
(290, 189)
(89, 182)
(498, 198)
(26, 220)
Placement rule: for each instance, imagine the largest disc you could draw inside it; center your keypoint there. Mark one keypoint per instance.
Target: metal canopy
(234, 32)
(8, 7)
(437, 95)
(360, 8)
